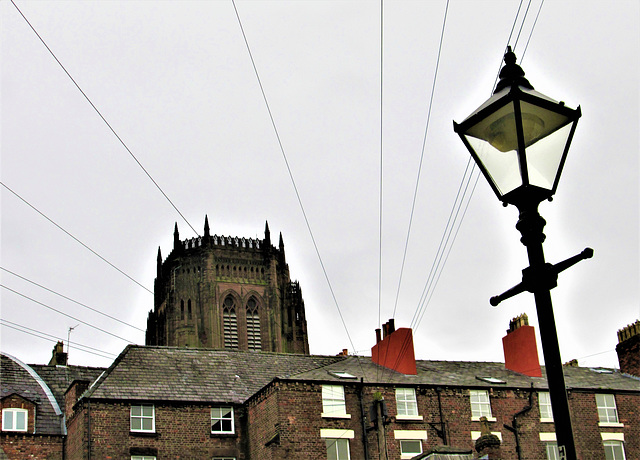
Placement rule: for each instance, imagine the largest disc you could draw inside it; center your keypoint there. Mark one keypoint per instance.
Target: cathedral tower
(227, 292)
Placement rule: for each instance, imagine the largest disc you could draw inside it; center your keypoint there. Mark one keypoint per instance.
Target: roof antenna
(69, 343)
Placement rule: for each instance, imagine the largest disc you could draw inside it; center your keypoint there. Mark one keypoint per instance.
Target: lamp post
(519, 139)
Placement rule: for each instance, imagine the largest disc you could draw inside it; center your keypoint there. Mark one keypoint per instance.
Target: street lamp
(519, 139)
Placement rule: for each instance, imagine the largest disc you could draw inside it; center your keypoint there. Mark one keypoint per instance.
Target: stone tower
(227, 292)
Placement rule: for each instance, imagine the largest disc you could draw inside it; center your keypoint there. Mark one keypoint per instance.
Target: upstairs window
(333, 403)
(338, 449)
(222, 420)
(614, 450)
(406, 403)
(14, 419)
(230, 323)
(544, 404)
(480, 405)
(607, 412)
(143, 419)
(253, 325)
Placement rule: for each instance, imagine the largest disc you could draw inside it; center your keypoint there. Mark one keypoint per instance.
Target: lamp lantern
(519, 138)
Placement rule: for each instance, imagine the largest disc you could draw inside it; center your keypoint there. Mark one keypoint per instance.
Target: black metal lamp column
(520, 138)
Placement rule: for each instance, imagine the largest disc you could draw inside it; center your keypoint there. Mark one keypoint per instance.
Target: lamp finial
(511, 74)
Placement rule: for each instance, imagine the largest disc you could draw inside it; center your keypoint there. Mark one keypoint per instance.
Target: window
(337, 449)
(406, 403)
(189, 308)
(182, 310)
(551, 449)
(333, 404)
(480, 405)
(544, 404)
(607, 412)
(230, 324)
(253, 325)
(409, 448)
(143, 419)
(614, 450)
(14, 419)
(222, 420)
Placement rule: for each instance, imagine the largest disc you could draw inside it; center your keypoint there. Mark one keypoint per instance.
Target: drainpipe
(362, 419)
(442, 426)
(514, 422)
(88, 429)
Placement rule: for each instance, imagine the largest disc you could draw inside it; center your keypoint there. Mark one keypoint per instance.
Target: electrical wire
(381, 196)
(440, 259)
(531, 32)
(76, 239)
(293, 182)
(71, 300)
(45, 336)
(65, 314)
(424, 143)
(104, 119)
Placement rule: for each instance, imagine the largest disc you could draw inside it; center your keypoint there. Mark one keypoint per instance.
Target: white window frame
(333, 402)
(612, 444)
(13, 413)
(607, 410)
(551, 450)
(544, 405)
(409, 454)
(407, 404)
(142, 417)
(480, 402)
(220, 417)
(332, 448)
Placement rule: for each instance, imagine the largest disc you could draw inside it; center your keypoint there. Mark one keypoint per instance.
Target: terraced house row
(158, 402)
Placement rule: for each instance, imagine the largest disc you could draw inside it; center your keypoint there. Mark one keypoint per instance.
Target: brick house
(31, 400)
(170, 402)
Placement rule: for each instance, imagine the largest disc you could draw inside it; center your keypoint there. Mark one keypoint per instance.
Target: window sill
(611, 424)
(546, 420)
(144, 434)
(325, 415)
(223, 435)
(489, 419)
(408, 456)
(409, 418)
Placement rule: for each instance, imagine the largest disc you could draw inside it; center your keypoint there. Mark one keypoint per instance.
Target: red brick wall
(296, 408)
(182, 431)
(22, 446)
(629, 355)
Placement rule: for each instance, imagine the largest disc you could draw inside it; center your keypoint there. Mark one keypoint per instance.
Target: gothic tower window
(181, 310)
(189, 309)
(230, 323)
(253, 325)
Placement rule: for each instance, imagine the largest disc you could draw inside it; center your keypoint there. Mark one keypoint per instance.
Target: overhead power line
(71, 300)
(76, 239)
(293, 182)
(45, 336)
(104, 119)
(464, 195)
(65, 314)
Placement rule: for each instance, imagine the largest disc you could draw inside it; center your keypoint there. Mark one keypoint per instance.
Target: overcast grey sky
(175, 81)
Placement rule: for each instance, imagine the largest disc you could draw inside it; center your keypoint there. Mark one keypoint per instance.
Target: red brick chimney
(628, 349)
(395, 349)
(520, 349)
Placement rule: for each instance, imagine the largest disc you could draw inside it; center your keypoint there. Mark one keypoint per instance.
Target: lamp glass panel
(497, 128)
(544, 158)
(538, 122)
(502, 167)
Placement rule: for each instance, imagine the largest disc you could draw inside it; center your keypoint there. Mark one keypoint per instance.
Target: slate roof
(17, 377)
(208, 376)
(58, 378)
(468, 374)
(196, 375)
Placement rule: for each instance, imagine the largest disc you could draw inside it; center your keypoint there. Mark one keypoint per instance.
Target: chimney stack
(395, 350)
(520, 349)
(58, 356)
(628, 349)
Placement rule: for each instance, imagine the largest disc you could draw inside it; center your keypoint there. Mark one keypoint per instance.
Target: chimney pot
(378, 335)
